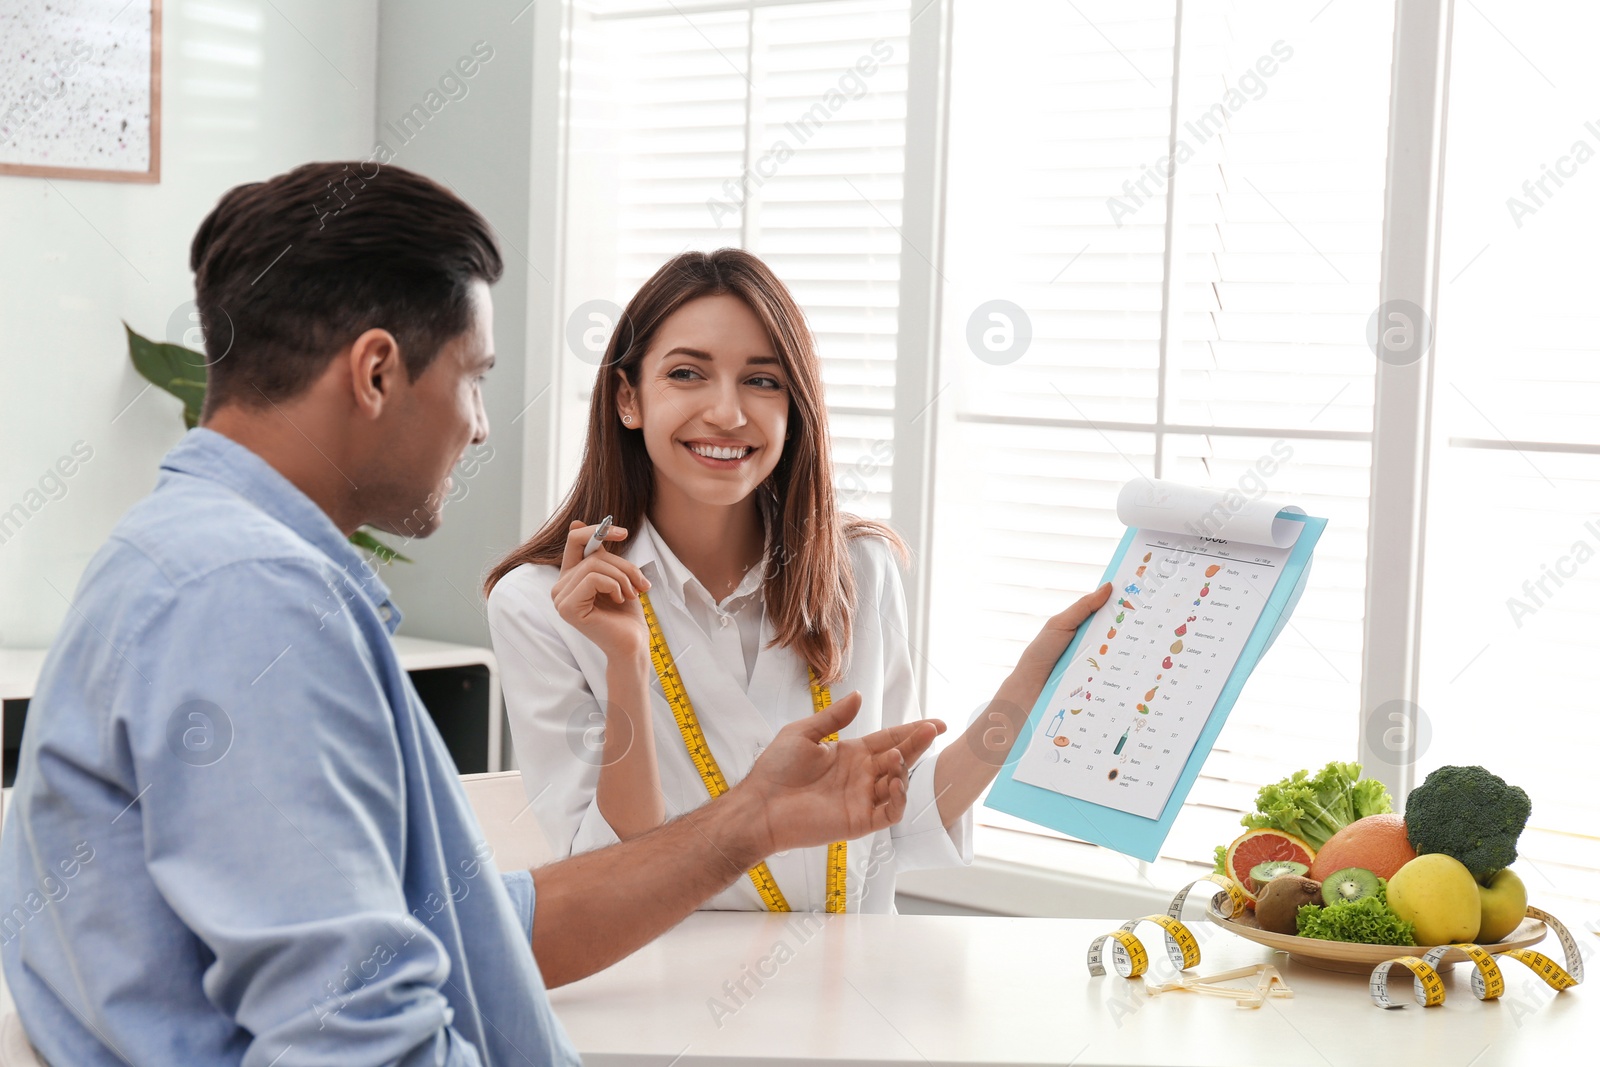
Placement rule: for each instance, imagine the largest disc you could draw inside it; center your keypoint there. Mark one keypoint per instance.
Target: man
(236, 836)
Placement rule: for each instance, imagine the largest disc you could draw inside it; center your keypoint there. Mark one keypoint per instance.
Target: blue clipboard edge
(1121, 831)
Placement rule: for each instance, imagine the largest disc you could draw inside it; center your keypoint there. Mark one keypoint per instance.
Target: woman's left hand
(1039, 658)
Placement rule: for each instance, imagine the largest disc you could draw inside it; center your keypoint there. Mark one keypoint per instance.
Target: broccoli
(1470, 814)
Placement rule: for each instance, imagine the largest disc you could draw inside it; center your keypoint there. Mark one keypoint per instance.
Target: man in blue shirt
(236, 836)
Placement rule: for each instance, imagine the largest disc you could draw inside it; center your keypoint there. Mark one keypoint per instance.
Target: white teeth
(711, 452)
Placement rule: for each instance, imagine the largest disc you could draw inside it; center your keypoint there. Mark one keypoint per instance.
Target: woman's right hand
(599, 596)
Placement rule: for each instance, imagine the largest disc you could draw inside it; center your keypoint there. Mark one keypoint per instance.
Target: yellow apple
(1439, 896)
(1504, 903)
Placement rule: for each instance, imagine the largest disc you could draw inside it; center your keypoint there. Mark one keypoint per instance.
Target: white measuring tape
(1488, 983)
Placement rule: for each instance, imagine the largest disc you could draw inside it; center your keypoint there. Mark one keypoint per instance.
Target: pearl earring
(628, 419)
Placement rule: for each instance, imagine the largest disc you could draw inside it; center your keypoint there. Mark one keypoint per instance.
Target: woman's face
(712, 401)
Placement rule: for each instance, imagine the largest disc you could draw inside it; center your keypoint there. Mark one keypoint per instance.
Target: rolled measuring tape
(1488, 982)
(1427, 986)
(1552, 973)
(1130, 959)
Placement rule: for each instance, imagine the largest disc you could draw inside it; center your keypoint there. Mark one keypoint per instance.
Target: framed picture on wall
(80, 89)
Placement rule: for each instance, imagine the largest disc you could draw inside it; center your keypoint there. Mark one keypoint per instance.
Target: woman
(731, 581)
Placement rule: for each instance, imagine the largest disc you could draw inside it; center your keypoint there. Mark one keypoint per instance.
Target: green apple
(1439, 895)
(1505, 902)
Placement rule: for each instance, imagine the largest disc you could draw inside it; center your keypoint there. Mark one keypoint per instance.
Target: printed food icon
(1061, 741)
(1177, 646)
(1167, 663)
(1147, 556)
(1212, 570)
(1103, 649)
(1152, 694)
(1205, 590)
(1111, 633)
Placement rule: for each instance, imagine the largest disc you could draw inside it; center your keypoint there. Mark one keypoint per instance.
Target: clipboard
(1133, 834)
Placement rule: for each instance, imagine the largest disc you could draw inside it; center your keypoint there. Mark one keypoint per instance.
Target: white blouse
(743, 693)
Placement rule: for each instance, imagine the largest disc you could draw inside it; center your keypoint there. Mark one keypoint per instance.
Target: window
(1512, 569)
(1179, 336)
(778, 128)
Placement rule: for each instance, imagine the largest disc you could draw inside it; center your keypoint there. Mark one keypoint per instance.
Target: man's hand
(597, 907)
(812, 792)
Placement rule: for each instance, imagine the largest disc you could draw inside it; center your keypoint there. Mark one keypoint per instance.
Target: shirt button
(724, 621)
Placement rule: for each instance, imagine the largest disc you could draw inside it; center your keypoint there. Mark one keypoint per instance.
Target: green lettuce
(1315, 807)
(1367, 921)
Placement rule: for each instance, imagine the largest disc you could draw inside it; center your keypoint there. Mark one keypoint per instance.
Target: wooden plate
(1352, 958)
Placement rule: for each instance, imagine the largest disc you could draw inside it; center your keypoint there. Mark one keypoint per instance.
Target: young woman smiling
(708, 444)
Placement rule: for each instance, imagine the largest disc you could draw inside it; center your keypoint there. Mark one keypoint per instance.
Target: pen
(597, 538)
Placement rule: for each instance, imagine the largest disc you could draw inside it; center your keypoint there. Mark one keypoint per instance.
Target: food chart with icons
(1127, 712)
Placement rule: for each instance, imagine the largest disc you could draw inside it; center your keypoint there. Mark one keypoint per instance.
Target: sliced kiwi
(1351, 883)
(1264, 872)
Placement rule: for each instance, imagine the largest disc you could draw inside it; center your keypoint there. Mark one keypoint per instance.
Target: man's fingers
(831, 719)
(919, 740)
(896, 736)
(888, 768)
(895, 806)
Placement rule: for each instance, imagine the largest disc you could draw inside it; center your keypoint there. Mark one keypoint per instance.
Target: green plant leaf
(173, 368)
(385, 554)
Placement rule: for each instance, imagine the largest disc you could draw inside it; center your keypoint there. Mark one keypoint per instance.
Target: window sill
(1017, 873)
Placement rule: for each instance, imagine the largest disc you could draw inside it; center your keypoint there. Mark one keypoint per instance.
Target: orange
(1377, 843)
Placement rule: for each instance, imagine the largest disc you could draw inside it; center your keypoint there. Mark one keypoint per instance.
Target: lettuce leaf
(1315, 807)
(1368, 921)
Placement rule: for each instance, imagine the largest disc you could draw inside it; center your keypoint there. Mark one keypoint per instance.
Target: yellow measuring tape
(694, 740)
(1488, 983)
(1130, 959)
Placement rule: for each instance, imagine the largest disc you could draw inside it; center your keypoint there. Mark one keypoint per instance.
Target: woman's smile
(717, 456)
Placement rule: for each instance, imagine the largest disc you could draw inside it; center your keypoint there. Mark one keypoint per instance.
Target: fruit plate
(1352, 958)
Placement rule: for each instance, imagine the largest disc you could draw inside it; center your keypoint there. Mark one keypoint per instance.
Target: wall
(249, 88)
(475, 135)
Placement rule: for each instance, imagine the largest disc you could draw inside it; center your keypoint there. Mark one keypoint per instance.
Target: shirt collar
(207, 454)
(651, 549)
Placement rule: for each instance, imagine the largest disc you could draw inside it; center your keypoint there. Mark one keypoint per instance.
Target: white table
(917, 989)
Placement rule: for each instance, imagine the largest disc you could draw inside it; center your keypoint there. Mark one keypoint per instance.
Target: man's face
(429, 426)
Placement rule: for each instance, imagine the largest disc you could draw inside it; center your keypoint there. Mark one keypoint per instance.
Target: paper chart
(1127, 712)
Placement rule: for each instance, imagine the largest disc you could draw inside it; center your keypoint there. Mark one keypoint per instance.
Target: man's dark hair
(290, 270)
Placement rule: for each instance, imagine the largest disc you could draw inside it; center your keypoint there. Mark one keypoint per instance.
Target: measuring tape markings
(1488, 981)
(1129, 956)
(694, 741)
(1428, 987)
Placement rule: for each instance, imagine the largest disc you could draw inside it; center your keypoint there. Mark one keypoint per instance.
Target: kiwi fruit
(1280, 900)
(1264, 872)
(1349, 884)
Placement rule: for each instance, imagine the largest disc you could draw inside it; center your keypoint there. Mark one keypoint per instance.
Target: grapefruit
(1377, 843)
(1259, 846)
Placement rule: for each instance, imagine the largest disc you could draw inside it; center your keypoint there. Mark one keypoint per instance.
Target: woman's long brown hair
(810, 589)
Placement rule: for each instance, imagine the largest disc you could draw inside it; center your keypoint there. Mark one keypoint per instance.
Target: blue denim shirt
(236, 836)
